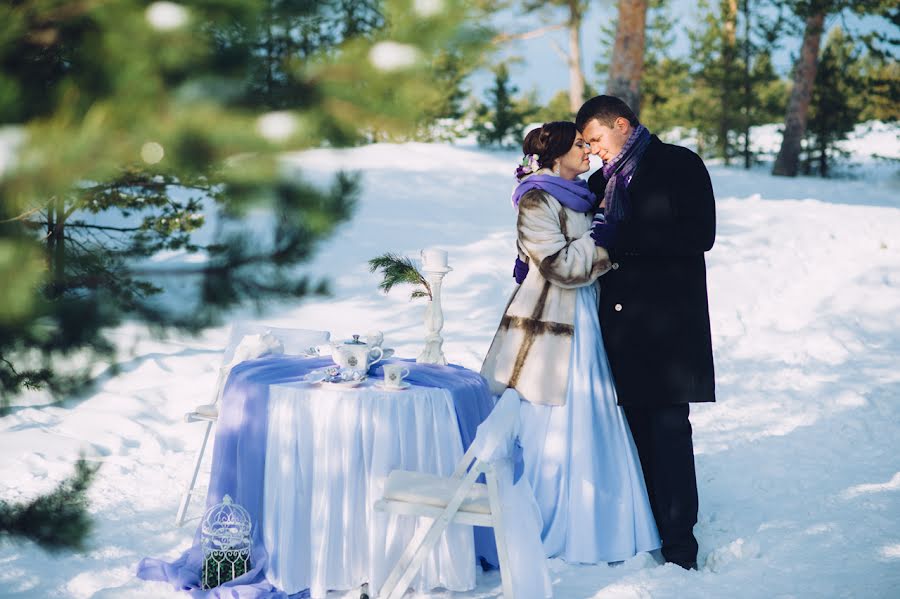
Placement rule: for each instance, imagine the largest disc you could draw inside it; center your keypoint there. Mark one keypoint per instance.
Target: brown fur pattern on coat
(530, 351)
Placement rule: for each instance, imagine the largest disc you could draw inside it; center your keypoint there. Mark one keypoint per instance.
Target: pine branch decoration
(397, 269)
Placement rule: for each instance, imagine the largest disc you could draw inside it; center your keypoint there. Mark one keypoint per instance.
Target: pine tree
(558, 107)
(835, 103)
(133, 124)
(716, 78)
(501, 120)
(879, 90)
(666, 88)
(814, 13)
(137, 132)
(443, 118)
(763, 94)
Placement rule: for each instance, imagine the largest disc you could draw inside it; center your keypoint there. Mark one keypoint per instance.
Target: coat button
(615, 266)
(618, 307)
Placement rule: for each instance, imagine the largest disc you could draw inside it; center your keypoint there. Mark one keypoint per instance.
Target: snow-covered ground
(798, 462)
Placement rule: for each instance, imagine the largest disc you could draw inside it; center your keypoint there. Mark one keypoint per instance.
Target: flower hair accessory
(528, 166)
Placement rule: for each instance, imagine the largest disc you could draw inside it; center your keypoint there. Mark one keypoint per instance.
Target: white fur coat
(531, 349)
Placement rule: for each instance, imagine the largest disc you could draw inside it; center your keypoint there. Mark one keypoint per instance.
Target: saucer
(403, 385)
(343, 384)
(314, 378)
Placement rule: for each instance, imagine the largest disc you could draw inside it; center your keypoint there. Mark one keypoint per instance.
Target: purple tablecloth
(239, 460)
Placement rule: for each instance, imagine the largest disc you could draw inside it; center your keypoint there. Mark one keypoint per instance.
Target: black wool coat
(654, 309)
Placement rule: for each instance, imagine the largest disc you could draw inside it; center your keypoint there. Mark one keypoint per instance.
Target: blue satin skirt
(581, 460)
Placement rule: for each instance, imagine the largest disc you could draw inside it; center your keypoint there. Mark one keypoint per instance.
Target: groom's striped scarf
(619, 170)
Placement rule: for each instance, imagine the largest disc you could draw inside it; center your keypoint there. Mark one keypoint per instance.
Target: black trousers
(663, 439)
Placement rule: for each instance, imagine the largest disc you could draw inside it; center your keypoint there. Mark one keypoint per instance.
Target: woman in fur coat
(579, 455)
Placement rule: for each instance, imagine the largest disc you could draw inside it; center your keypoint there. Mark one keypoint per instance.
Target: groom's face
(605, 141)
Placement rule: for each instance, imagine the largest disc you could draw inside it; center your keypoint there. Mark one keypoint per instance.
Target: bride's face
(576, 160)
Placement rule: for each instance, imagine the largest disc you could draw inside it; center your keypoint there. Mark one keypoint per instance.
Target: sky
(543, 70)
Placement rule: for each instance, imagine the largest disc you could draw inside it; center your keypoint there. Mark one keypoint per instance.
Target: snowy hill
(798, 463)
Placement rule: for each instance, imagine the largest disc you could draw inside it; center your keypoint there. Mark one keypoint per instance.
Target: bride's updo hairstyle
(550, 141)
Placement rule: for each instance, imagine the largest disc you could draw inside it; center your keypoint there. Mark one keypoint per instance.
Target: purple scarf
(619, 170)
(572, 194)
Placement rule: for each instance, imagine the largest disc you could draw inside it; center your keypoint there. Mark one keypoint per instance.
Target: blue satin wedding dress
(581, 460)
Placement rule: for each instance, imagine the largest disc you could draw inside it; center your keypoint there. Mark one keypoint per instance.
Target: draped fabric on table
(335, 449)
(239, 459)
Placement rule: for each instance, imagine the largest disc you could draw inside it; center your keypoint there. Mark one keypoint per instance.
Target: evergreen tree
(289, 32)
(442, 119)
(57, 520)
(501, 121)
(137, 130)
(763, 94)
(835, 104)
(814, 14)
(879, 90)
(769, 93)
(666, 87)
(558, 108)
(716, 77)
(131, 125)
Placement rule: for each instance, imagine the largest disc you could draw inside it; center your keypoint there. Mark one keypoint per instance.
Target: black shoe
(686, 566)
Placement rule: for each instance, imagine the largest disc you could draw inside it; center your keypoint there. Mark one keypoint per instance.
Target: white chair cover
(495, 442)
(293, 342)
(296, 342)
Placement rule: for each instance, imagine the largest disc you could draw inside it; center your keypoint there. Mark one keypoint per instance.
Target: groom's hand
(520, 271)
(603, 232)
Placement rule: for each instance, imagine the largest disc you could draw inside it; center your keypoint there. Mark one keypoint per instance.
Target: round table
(328, 453)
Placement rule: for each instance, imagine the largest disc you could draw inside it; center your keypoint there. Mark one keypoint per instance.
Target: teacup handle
(380, 353)
(404, 373)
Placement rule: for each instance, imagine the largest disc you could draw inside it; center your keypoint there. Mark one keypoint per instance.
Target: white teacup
(394, 374)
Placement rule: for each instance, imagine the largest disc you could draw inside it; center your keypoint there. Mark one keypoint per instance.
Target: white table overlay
(328, 454)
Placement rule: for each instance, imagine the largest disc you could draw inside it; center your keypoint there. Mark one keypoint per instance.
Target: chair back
(495, 437)
(296, 342)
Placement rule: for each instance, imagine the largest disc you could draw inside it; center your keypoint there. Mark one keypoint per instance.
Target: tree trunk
(729, 54)
(56, 244)
(628, 54)
(576, 73)
(748, 95)
(798, 106)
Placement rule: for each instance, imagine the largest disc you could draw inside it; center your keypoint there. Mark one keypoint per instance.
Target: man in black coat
(653, 305)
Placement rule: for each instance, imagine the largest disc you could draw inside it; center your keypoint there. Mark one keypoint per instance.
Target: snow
(798, 462)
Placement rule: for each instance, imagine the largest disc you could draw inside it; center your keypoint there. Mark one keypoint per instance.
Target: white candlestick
(434, 258)
(434, 267)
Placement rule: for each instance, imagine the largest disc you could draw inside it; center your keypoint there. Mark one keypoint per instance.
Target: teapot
(355, 354)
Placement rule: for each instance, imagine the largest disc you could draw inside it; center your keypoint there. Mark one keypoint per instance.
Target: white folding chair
(297, 342)
(459, 499)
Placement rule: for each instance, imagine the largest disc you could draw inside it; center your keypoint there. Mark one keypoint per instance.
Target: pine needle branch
(396, 270)
(57, 520)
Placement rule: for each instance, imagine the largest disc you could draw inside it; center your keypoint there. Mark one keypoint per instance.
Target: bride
(579, 455)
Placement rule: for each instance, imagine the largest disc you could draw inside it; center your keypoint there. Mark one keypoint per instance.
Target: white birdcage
(225, 540)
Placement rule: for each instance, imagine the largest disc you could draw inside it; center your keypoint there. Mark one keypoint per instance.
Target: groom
(660, 219)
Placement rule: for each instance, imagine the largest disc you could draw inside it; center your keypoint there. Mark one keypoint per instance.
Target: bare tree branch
(526, 35)
(25, 215)
(562, 53)
(81, 225)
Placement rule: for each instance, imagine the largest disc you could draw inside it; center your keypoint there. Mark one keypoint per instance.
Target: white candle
(434, 258)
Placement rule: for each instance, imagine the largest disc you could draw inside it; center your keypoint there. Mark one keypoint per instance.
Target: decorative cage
(225, 541)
